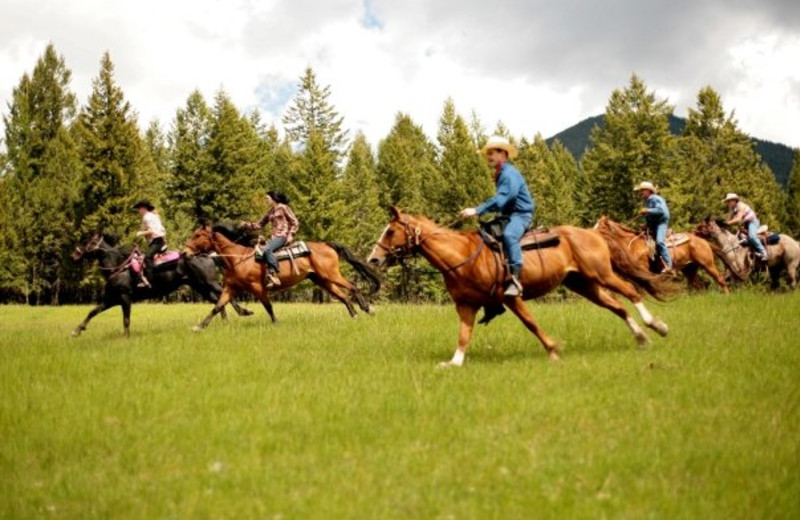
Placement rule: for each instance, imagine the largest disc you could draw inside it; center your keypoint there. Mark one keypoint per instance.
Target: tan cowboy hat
(499, 143)
(645, 186)
(731, 196)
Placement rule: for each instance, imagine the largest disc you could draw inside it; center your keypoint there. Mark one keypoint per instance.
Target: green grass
(327, 417)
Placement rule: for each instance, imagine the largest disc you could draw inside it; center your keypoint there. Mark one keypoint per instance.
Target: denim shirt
(512, 194)
(657, 210)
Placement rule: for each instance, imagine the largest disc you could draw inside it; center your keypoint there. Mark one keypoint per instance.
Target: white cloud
(547, 68)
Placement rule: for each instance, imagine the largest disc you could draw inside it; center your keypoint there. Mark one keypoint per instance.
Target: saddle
(492, 234)
(673, 240)
(290, 252)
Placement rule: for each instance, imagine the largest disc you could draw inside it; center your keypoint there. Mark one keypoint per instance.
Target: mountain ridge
(779, 157)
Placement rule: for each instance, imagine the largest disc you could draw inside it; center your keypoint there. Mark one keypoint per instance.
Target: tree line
(69, 169)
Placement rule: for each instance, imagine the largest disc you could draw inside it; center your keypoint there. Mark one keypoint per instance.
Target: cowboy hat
(500, 143)
(645, 186)
(731, 196)
(144, 203)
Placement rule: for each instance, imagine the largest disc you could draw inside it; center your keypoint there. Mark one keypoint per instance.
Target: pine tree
(190, 191)
(551, 176)
(634, 145)
(234, 149)
(39, 183)
(463, 177)
(716, 158)
(406, 166)
(311, 112)
(363, 215)
(793, 197)
(314, 126)
(117, 168)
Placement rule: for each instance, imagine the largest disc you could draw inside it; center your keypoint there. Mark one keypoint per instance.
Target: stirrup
(272, 281)
(514, 288)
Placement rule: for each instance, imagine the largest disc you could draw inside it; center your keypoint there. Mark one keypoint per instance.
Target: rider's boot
(514, 287)
(272, 279)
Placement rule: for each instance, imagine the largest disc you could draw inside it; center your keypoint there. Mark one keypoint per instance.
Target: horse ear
(395, 212)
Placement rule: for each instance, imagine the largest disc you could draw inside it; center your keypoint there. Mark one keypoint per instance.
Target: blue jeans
(752, 236)
(659, 232)
(513, 232)
(270, 247)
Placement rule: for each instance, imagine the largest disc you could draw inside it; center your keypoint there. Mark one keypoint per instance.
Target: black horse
(198, 272)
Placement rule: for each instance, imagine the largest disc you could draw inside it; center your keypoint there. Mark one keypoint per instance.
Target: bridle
(413, 246)
(223, 247)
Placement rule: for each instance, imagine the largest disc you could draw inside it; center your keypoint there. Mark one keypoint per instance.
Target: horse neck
(229, 251)
(109, 258)
(444, 248)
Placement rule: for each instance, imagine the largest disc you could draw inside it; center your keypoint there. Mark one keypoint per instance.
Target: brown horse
(474, 275)
(688, 257)
(243, 273)
(784, 255)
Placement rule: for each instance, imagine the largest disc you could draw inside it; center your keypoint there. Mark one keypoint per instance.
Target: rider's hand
(643, 212)
(141, 233)
(468, 212)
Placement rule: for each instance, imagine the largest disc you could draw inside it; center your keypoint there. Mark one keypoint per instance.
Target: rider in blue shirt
(656, 215)
(511, 199)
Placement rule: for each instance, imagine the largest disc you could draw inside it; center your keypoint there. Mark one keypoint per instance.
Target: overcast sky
(539, 66)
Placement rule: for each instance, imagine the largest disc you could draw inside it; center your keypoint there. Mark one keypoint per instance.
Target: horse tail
(626, 266)
(359, 265)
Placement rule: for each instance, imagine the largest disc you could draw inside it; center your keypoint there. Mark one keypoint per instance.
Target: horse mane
(613, 224)
(235, 233)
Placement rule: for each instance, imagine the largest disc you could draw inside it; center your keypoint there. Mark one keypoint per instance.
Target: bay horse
(784, 255)
(121, 288)
(687, 257)
(243, 273)
(473, 274)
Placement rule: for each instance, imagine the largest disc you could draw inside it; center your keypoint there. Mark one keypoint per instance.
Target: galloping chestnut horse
(243, 273)
(473, 275)
(687, 257)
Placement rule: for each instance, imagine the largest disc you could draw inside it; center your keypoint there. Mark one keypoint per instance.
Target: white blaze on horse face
(378, 253)
(644, 313)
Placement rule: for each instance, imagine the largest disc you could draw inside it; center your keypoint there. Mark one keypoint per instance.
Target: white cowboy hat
(500, 143)
(645, 186)
(763, 230)
(731, 196)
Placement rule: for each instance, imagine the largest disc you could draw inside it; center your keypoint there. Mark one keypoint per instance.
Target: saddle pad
(539, 239)
(676, 239)
(163, 258)
(296, 249)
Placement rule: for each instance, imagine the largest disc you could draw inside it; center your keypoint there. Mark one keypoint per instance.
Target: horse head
(93, 244)
(399, 240)
(201, 241)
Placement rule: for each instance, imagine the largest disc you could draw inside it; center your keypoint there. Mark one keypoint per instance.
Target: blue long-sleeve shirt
(512, 195)
(657, 210)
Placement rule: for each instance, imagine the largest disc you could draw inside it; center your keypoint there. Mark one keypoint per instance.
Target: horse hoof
(642, 341)
(75, 333)
(660, 327)
(247, 312)
(553, 355)
(197, 328)
(446, 365)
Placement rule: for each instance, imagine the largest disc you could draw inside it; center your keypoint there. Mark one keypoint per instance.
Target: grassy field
(327, 417)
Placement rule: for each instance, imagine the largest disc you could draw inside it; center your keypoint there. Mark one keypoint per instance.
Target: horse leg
(126, 315)
(692, 280)
(593, 292)
(223, 300)
(337, 292)
(614, 283)
(267, 303)
(466, 315)
(92, 313)
(714, 273)
(517, 306)
(775, 277)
